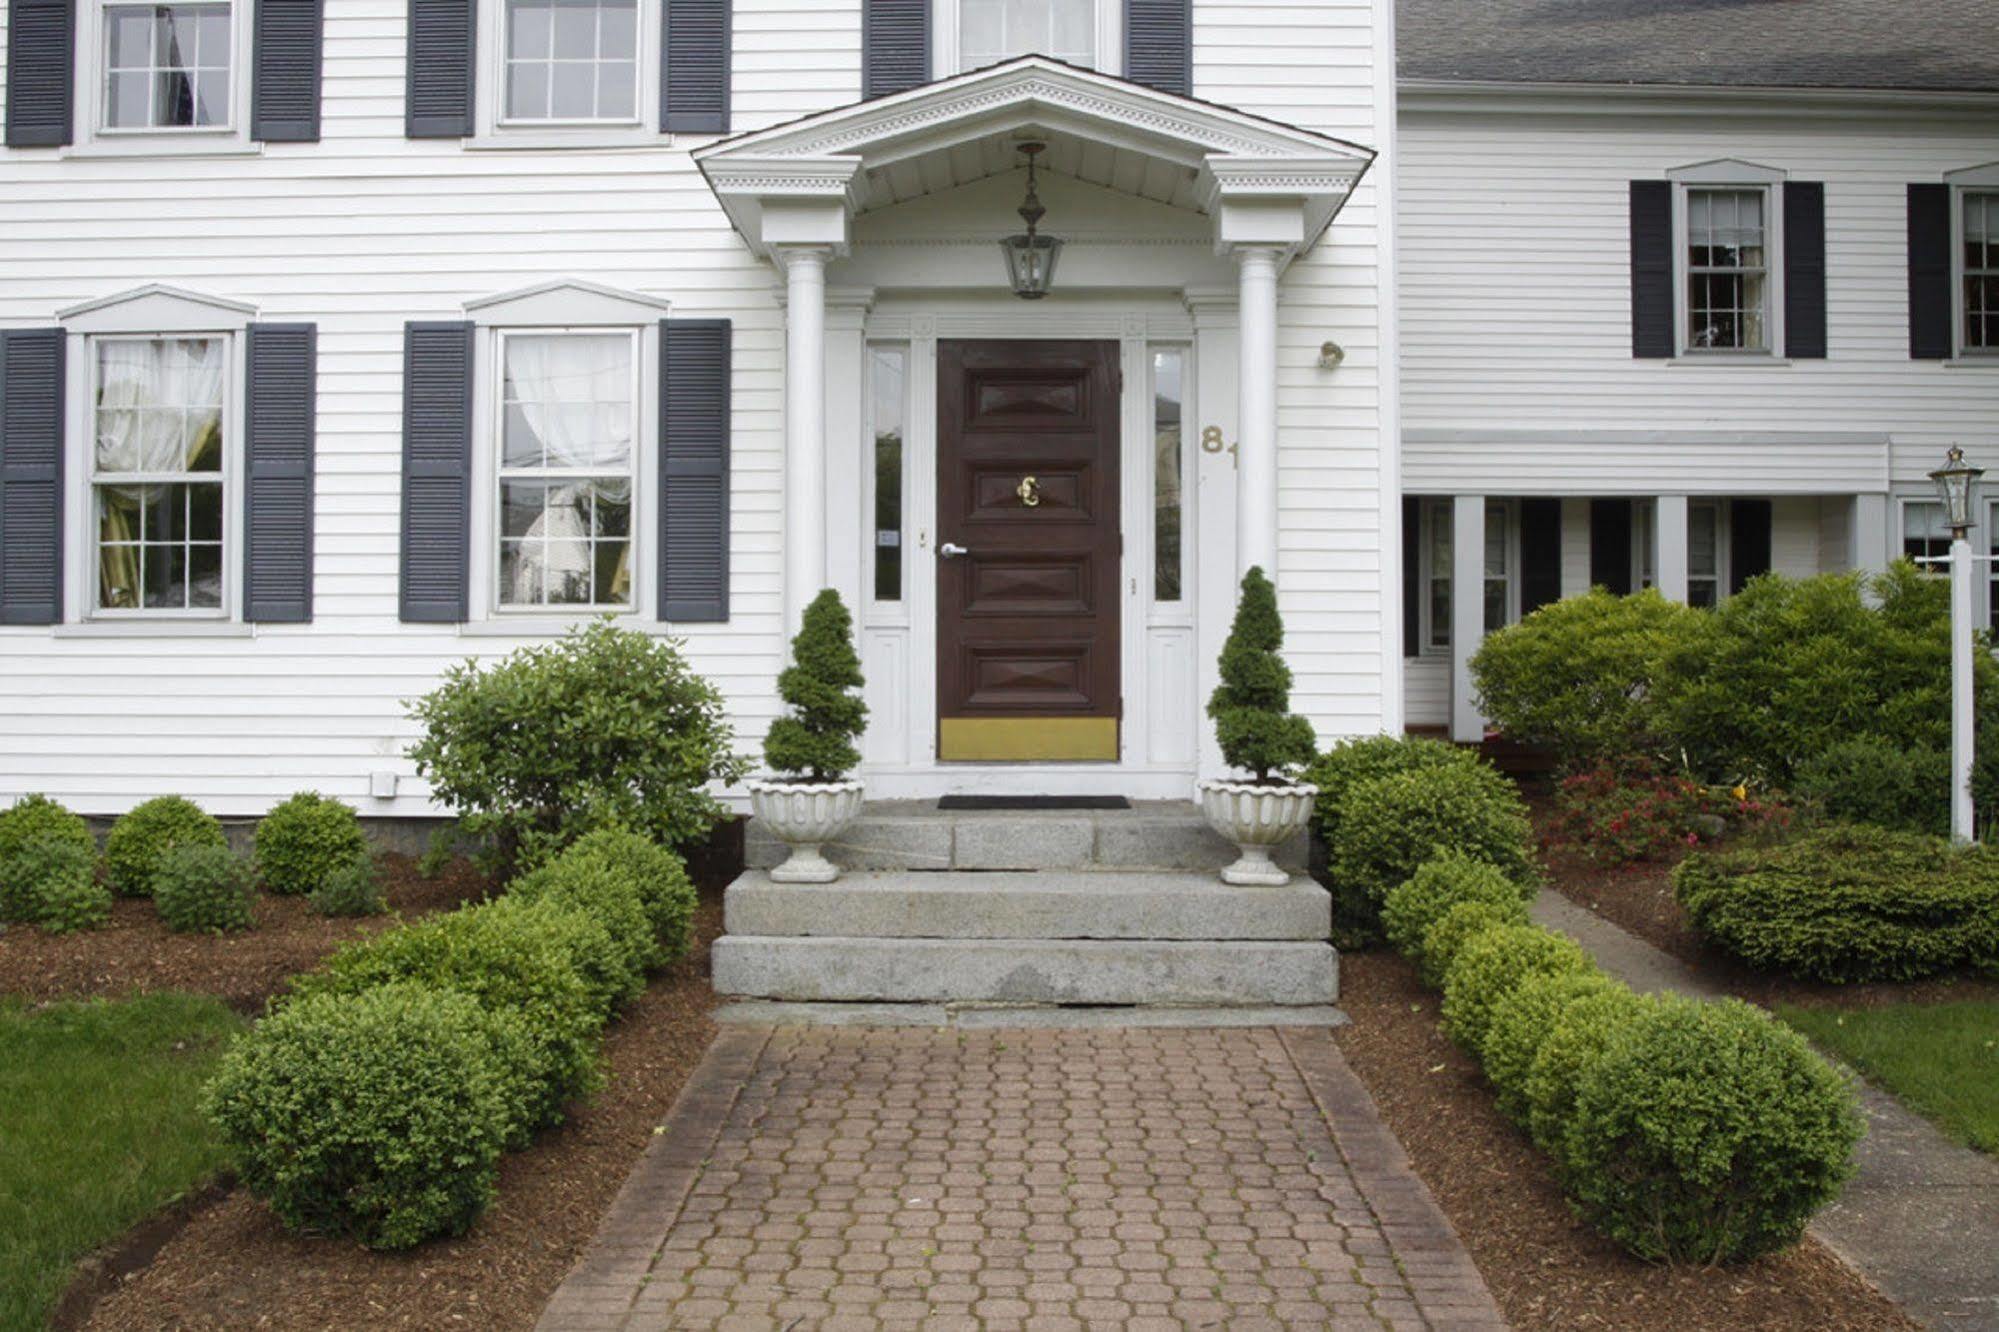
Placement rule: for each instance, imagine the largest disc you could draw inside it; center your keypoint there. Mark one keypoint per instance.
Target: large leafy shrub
(1876, 781)
(1520, 1023)
(378, 1115)
(658, 875)
(606, 726)
(52, 882)
(1847, 903)
(1582, 675)
(1492, 964)
(816, 742)
(305, 839)
(36, 818)
(1444, 881)
(203, 890)
(1706, 1132)
(141, 839)
(1251, 707)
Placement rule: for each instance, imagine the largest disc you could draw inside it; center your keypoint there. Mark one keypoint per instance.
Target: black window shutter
(277, 473)
(443, 35)
(1412, 576)
(41, 46)
(1651, 269)
(1540, 553)
(31, 459)
(895, 46)
(284, 96)
(1159, 44)
(1930, 305)
(1804, 270)
(1610, 544)
(694, 469)
(437, 472)
(1748, 541)
(694, 68)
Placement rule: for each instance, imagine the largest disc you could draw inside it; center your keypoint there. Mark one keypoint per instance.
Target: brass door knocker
(1029, 491)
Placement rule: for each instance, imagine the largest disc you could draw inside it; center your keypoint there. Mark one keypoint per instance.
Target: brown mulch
(135, 952)
(1545, 1268)
(234, 1266)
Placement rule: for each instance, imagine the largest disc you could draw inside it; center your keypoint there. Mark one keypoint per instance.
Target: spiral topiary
(1251, 707)
(816, 742)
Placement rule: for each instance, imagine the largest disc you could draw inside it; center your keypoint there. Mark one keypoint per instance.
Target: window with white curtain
(990, 31)
(158, 473)
(572, 61)
(1727, 269)
(567, 421)
(167, 67)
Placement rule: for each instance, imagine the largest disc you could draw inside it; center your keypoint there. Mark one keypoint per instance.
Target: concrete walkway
(831, 1177)
(1920, 1219)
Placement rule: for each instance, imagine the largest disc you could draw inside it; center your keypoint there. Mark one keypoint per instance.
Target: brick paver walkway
(831, 1178)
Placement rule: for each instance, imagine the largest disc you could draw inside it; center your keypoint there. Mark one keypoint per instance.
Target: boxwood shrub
(1847, 903)
(1444, 880)
(1363, 758)
(140, 840)
(52, 882)
(203, 889)
(1492, 964)
(306, 839)
(354, 889)
(1457, 927)
(36, 818)
(1521, 1022)
(1580, 1034)
(658, 875)
(378, 1116)
(610, 897)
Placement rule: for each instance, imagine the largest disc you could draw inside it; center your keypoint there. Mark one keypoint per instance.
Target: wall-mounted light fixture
(1331, 354)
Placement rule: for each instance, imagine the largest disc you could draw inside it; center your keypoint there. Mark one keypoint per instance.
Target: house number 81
(1211, 442)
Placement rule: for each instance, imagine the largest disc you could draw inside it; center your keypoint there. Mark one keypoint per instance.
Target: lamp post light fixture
(1956, 480)
(1030, 256)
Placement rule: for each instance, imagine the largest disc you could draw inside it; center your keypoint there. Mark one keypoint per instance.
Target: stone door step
(1136, 904)
(976, 1017)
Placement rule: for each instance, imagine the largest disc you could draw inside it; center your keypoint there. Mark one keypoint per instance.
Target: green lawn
(98, 1128)
(1941, 1060)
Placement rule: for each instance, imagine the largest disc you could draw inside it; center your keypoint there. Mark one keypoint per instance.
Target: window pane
(1495, 541)
(1981, 272)
(995, 30)
(572, 91)
(1924, 534)
(1440, 612)
(1703, 528)
(166, 66)
(572, 59)
(1495, 604)
(1727, 287)
(1167, 368)
(889, 388)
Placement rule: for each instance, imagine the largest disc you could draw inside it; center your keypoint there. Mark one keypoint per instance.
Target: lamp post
(1955, 481)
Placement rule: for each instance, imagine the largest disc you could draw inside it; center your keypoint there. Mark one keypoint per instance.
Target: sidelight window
(889, 372)
(1168, 371)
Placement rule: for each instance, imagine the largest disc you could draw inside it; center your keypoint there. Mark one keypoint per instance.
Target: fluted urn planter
(805, 816)
(1257, 819)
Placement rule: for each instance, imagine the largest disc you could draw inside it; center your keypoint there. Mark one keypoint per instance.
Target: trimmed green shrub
(1441, 883)
(1492, 964)
(1847, 903)
(611, 899)
(1350, 762)
(607, 726)
(1251, 707)
(658, 875)
(36, 818)
(352, 889)
(1581, 1033)
(816, 742)
(52, 882)
(1876, 781)
(1389, 826)
(1582, 675)
(304, 840)
(1458, 926)
(1521, 1022)
(1707, 1132)
(141, 839)
(377, 1115)
(203, 890)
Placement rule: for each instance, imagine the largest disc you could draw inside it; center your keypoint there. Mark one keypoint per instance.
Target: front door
(1028, 546)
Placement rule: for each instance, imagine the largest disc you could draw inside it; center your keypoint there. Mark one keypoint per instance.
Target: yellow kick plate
(1027, 739)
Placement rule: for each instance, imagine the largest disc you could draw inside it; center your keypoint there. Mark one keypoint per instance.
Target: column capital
(1256, 254)
(789, 255)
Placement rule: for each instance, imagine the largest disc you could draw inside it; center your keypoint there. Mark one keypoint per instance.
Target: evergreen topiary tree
(1251, 708)
(816, 743)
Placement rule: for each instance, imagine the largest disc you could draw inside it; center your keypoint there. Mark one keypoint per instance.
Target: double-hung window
(971, 34)
(1728, 270)
(166, 67)
(1706, 552)
(1978, 278)
(1500, 585)
(571, 62)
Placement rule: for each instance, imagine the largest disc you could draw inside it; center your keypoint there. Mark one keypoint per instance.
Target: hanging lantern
(1030, 257)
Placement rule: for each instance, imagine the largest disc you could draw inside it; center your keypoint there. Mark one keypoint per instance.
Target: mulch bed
(1545, 1268)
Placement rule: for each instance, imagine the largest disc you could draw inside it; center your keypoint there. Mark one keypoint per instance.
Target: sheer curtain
(575, 394)
(159, 412)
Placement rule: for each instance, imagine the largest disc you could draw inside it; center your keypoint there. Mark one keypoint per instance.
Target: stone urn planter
(1257, 818)
(805, 816)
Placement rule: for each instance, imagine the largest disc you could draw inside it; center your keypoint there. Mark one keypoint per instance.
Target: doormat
(973, 802)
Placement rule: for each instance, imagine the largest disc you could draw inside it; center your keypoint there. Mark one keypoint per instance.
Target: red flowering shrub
(1617, 813)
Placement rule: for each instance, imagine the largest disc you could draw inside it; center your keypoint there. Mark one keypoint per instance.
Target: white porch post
(1256, 410)
(1669, 561)
(1868, 536)
(804, 427)
(1467, 612)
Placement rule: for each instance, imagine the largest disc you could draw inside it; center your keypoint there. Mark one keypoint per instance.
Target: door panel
(1028, 617)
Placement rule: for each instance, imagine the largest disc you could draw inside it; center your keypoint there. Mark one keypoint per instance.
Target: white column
(1867, 534)
(1963, 829)
(804, 427)
(1669, 560)
(1256, 410)
(1467, 612)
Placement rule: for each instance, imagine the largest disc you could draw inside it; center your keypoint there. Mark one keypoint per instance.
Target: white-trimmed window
(565, 448)
(1169, 372)
(971, 34)
(888, 381)
(1728, 270)
(1978, 272)
(1707, 552)
(1501, 583)
(164, 70)
(570, 62)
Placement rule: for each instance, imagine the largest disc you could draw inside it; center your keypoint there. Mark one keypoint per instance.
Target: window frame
(1773, 267)
(1960, 197)
(495, 129)
(1427, 523)
(92, 73)
(945, 30)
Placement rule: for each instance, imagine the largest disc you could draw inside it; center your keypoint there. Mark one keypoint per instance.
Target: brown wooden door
(1027, 485)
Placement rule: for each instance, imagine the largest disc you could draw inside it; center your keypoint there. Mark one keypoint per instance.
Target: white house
(344, 339)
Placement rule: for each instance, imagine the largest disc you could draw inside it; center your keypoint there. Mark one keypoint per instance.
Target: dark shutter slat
(1412, 576)
(1540, 553)
(895, 46)
(694, 68)
(1159, 44)
(1930, 305)
(1804, 270)
(694, 359)
(1610, 544)
(31, 466)
(41, 62)
(1748, 541)
(278, 438)
(437, 472)
(284, 98)
(1652, 269)
(442, 59)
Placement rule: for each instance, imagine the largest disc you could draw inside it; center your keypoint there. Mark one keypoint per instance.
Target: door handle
(951, 550)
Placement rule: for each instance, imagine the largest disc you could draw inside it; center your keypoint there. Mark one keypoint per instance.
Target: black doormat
(1033, 802)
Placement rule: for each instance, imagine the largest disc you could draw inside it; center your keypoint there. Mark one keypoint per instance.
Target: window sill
(127, 149)
(543, 626)
(136, 628)
(535, 140)
(1975, 361)
(1757, 360)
